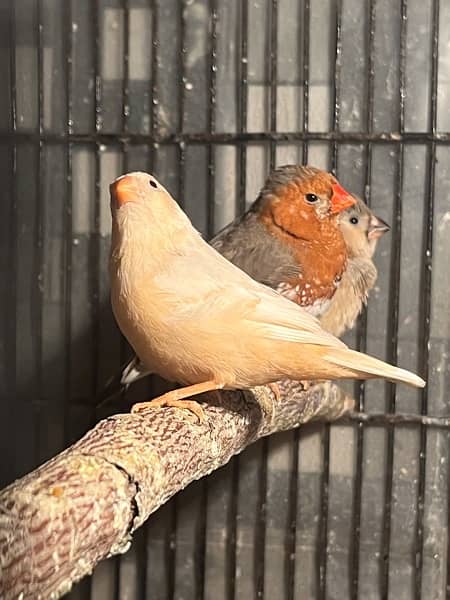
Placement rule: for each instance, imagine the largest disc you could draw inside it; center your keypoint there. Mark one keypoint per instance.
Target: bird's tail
(368, 367)
(130, 372)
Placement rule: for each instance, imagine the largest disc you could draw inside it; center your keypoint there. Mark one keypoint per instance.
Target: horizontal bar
(397, 419)
(226, 138)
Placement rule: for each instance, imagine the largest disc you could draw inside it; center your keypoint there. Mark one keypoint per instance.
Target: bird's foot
(306, 384)
(309, 383)
(176, 399)
(276, 390)
(165, 400)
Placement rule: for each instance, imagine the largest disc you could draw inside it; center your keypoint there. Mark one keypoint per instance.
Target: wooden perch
(82, 506)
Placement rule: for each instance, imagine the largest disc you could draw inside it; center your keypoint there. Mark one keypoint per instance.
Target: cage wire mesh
(209, 96)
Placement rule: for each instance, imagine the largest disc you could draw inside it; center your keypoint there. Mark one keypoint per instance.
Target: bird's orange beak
(124, 190)
(341, 199)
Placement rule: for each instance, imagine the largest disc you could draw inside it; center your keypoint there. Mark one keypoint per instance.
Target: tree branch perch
(82, 506)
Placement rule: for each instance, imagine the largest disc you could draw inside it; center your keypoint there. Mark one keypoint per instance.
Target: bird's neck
(314, 242)
(324, 253)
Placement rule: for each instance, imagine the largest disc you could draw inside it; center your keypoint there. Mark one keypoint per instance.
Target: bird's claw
(275, 388)
(190, 405)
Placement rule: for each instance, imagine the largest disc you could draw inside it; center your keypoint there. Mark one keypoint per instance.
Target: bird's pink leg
(176, 398)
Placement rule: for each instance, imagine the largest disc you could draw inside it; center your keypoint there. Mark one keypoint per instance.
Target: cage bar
(37, 285)
(394, 307)
(68, 226)
(273, 84)
(305, 82)
(426, 282)
(11, 291)
(322, 551)
(361, 339)
(194, 138)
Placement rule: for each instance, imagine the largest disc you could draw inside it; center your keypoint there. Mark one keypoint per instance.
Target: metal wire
(305, 119)
(37, 302)
(294, 489)
(426, 281)
(68, 227)
(241, 92)
(362, 327)
(393, 324)
(201, 529)
(273, 87)
(322, 541)
(94, 254)
(11, 291)
(405, 419)
(194, 138)
(261, 522)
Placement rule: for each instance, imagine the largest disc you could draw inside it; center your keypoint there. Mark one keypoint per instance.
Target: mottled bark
(82, 506)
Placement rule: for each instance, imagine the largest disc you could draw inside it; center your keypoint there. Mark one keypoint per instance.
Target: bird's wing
(282, 319)
(214, 288)
(278, 316)
(246, 244)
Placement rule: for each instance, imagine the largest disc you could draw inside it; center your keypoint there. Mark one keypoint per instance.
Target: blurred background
(210, 95)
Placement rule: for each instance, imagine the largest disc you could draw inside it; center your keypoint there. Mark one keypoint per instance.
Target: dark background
(209, 95)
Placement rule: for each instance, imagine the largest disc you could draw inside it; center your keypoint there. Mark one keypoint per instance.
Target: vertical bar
(232, 531)
(261, 524)
(126, 66)
(260, 534)
(337, 83)
(171, 546)
(393, 325)
(12, 67)
(305, 119)
(362, 327)
(273, 77)
(181, 108)
(294, 477)
(203, 500)
(94, 246)
(125, 118)
(293, 481)
(154, 76)
(125, 88)
(68, 228)
(242, 92)
(125, 114)
(212, 114)
(291, 544)
(37, 293)
(243, 97)
(11, 315)
(291, 538)
(94, 251)
(426, 301)
(324, 485)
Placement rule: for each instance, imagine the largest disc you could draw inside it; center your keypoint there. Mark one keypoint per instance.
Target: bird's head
(299, 200)
(361, 229)
(142, 207)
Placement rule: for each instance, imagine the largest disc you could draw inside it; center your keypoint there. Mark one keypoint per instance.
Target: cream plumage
(193, 317)
(361, 230)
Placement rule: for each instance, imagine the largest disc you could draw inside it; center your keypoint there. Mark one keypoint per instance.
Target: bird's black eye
(153, 184)
(311, 198)
(354, 220)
